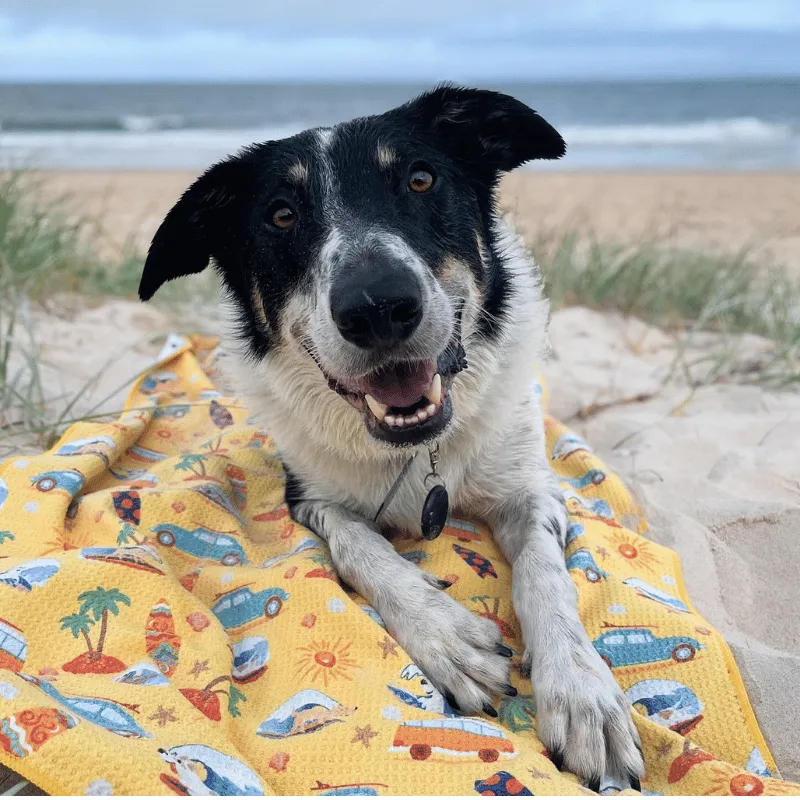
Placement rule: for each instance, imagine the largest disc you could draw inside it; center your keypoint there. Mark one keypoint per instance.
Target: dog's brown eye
(283, 217)
(420, 181)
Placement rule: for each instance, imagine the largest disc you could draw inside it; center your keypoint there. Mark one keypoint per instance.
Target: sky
(402, 40)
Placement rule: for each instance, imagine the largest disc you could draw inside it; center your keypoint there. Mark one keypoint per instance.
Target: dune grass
(45, 249)
(44, 252)
(686, 291)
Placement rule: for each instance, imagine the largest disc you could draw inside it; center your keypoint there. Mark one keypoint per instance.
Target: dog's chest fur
(488, 451)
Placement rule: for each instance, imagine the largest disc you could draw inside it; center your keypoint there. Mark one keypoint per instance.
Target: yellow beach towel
(166, 628)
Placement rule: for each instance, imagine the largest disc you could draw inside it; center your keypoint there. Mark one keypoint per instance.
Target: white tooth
(388, 419)
(434, 393)
(399, 422)
(412, 420)
(378, 409)
(422, 414)
(431, 410)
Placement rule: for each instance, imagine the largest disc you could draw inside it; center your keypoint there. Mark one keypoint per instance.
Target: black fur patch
(294, 491)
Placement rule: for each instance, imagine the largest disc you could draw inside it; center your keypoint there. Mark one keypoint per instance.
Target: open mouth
(406, 402)
(403, 403)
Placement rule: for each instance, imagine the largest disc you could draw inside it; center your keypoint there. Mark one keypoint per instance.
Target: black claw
(504, 651)
(487, 709)
(593, 785)
(636, 784)
(557, 757)
(444, 584)
(451, 700)
(509, 690)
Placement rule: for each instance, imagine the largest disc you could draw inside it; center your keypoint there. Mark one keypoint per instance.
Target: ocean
(677, 125)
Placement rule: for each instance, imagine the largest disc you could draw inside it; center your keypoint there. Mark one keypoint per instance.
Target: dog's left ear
(486, 128)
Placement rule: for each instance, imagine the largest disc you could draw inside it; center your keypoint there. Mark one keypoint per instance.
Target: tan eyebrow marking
(298, 172)
(386, 156)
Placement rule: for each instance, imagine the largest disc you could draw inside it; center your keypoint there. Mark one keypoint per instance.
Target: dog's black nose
(380, 309)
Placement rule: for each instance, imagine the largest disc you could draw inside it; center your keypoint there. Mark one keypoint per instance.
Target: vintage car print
(625, 647)
(202, 543)
(242, 605)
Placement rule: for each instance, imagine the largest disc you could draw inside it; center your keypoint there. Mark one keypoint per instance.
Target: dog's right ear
(485, 129)
(184, 241)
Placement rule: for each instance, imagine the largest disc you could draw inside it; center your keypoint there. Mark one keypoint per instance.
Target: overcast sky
(265, 40)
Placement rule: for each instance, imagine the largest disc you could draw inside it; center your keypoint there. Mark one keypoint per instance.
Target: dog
(381, 309)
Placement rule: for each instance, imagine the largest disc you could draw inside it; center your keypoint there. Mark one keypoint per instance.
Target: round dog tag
(434, 512)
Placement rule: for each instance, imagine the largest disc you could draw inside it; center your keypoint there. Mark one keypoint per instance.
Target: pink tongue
(401, 385)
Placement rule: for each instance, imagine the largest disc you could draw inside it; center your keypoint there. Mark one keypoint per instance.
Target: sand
(717, 211)
(717, 471)
(711, 211)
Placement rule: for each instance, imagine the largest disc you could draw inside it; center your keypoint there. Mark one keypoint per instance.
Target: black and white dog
(365, 266)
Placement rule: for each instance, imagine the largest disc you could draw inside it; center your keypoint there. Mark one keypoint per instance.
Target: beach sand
(716, 470)
(717, 211)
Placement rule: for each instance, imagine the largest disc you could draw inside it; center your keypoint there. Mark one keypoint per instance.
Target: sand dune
(713, 211)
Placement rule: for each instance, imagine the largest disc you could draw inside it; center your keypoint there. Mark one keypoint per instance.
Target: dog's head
(368, 247)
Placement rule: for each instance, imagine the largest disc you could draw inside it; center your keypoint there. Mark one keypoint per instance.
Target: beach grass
(685, 291)
(45, 248)
(50, 260)
(45, 253)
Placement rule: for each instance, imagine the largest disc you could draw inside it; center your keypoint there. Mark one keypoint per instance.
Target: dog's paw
(584, 719)
(461, 653)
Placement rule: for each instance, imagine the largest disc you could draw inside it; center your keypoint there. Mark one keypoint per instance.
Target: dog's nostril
(405, 312)
(354, 323)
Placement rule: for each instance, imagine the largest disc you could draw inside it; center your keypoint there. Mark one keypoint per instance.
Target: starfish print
(601, 551)
(163, 716)
(663, 749)
(388, 647)
(539, 776)
(364, 734)
(199, 666)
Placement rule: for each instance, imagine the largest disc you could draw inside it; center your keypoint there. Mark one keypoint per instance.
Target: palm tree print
(127, 535)
(96, 605)
(517, 713)
(215, 448)
(79, 624)
(6, 536)
(207, 698)
(193, 462)
(99, 602)
(493, 614)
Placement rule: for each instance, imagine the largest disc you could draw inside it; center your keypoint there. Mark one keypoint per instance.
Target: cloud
(355, 17)
(413, 40)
